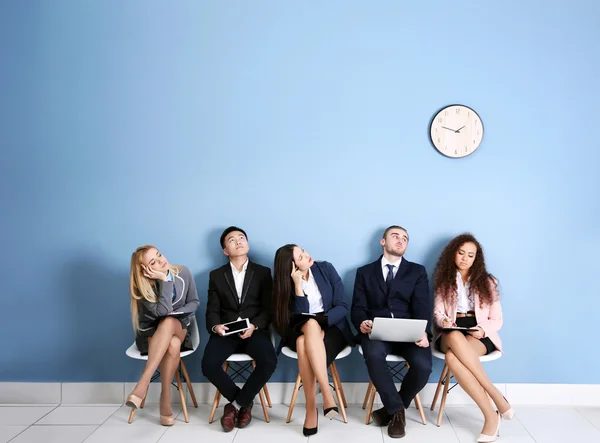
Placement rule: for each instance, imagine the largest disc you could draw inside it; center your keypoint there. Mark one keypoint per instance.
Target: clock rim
(450, 106)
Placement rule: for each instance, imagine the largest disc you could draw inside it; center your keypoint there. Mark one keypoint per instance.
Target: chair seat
(239, 357)
(390, 357)
(133, 352)
(494, 355)
(291, 354)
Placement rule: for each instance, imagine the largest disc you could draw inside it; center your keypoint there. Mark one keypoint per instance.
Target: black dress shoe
(381, 417)
(396, 429)
(331, 412)
(311, 431)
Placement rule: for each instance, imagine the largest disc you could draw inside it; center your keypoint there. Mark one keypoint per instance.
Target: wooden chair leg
(439, 385)
(370, 405)
(420, 408)
(188, 383)
(182, 397)
(337, 374)
(293, 400)
(263, 402)
(268, 396)
(217, 398)
(338, 390)
(367, 394)
(444, 395)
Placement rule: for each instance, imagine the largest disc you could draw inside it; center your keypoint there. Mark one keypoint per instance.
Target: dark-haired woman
(466, 295)
(310, 315)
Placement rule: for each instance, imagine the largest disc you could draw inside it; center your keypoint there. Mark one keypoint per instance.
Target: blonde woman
(163, 302)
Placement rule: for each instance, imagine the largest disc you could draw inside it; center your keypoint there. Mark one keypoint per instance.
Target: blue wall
(125, 123)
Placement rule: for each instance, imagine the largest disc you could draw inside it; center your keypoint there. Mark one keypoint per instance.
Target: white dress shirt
(310, 288)
(385, 269)
(238, 278)
(466, 301)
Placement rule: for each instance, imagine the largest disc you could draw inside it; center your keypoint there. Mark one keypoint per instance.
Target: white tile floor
(108, 423)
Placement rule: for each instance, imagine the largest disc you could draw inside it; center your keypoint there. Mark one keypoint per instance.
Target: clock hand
(458, 130)
(450, 129)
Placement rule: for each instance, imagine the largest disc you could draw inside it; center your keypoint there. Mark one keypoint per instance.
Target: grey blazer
(183, 307)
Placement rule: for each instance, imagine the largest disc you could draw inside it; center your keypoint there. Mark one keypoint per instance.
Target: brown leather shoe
(244, 417)
(396, 429)
(229, 417)
(381, 417)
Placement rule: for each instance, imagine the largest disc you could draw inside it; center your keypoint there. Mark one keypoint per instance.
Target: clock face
(456, 131)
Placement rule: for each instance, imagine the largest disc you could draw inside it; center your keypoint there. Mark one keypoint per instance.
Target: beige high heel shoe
(508, 415)
(167, 420)
(133, 401)
(483, 438)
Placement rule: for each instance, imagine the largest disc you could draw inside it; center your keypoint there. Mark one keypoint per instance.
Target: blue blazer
(332, 291)
(408, 297)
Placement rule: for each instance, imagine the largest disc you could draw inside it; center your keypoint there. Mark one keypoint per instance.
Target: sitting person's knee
(300, 344)
(174, 347)
(311, 326)
(169, 321)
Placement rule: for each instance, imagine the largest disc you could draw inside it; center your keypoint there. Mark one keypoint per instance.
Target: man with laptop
(387, 291)
(237, 318)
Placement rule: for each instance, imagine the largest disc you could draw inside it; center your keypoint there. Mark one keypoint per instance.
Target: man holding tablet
(237, 318)
(393, 287)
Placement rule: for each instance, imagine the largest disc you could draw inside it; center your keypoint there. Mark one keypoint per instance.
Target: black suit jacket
(224, 305)
(408, 298)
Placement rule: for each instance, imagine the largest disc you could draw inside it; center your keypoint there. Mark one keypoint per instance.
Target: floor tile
(22, 415)
(149, 415)
(54, 434)
(78, 415)
(287, 433)
(182, 432)
(127, 434)
(592, 414)
(8, 432)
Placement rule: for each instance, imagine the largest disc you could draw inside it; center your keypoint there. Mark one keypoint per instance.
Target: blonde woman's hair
(141, 286)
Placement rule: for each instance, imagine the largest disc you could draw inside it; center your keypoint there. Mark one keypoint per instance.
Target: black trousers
(419, 360)
(219, 348)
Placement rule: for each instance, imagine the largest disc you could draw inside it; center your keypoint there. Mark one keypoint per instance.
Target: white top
(466, 301)
(238, 278)
(310, 288)
(385, 269)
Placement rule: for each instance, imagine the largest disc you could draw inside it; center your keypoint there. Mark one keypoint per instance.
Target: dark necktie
(390, 277)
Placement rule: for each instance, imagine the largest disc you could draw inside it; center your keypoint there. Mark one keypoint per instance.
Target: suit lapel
(247, 281)
(229, 279)
(401, 270)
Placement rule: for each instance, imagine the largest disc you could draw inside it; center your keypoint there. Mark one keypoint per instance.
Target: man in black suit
(238, 290)
(393, 287)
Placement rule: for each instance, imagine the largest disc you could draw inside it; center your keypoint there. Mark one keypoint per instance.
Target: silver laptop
(398, 329)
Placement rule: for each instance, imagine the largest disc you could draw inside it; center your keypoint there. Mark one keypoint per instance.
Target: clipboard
(459, 328)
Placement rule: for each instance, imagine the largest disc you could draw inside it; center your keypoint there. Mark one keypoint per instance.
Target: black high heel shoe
(311, 431)
(331, 412)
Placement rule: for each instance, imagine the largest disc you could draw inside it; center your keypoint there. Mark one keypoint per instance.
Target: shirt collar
(234, 269)
(460, 281)
(169, 276)
(385, 262)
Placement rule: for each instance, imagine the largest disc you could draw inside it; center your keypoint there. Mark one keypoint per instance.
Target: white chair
(396, 364)
(243, 365)
(134, 352)
(447, 375)
(335, 377)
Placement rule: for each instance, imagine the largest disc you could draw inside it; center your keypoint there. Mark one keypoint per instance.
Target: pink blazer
(489, 318)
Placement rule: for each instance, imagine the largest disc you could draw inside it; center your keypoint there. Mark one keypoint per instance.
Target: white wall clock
(456, 131)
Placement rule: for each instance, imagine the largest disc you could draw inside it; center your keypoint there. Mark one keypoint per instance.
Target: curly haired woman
(466, 296)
